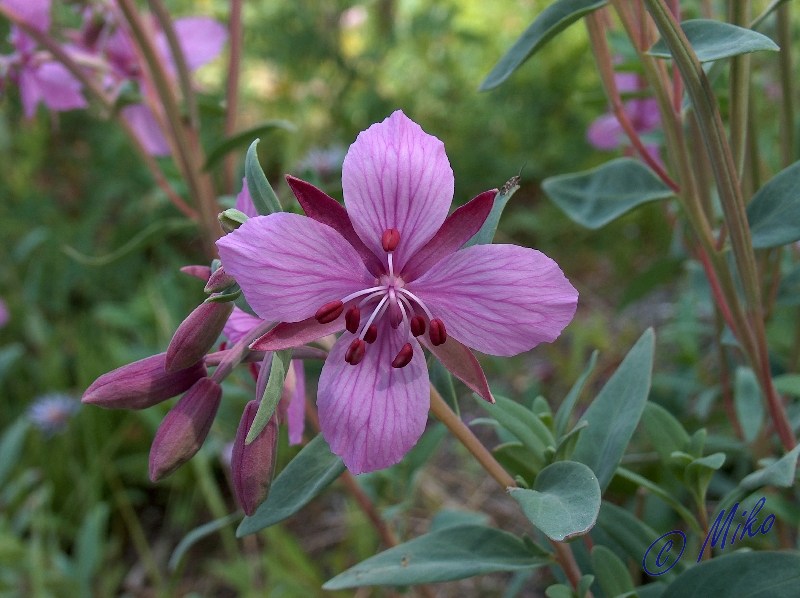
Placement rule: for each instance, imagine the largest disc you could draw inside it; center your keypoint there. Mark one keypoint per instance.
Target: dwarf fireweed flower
(391, 271)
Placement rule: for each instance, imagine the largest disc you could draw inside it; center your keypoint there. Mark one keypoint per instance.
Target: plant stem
(739, 89)
(232, 90)
(464, 435)
(785, 40)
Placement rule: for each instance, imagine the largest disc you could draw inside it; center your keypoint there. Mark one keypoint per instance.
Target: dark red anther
(355, 352)
(390, 239)
(352, 319)
(417, 325)
(372, 334)
(329, 312)
(404, 356)
(438, 332)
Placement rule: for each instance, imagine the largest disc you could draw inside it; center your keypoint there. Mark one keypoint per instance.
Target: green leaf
(611, 572)
(788, 384)
(774, 211)
(442, 381)
(744, 574)
(11, 445)
(487, 231)
(614, 414)
(564, 501)
(272, 393)
(454, 517)
(448, 554)
(566, 407)
(666, 433)
(700, 471)
(233, 142)
(568, 442)
(559, 590)
(522, 423)
(198, 534)
(594, 198)
(748, 403)
(264, 198)
(89, 545)
(713, 40)
(781, 474)
(308, 474)
(550, 22)
(516, 459)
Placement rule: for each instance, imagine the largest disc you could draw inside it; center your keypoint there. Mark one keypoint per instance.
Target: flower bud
(231, 219)
(197, 334)
(219, 281)
(253, 465)
(185, 427)
(201, 272)
(141, 384)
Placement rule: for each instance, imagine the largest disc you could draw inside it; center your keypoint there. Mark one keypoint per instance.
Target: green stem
(785, 41)
(232, 89)
(739, 89)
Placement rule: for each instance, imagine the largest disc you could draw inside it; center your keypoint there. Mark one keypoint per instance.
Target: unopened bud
(201, 272)
(185, 427)
(231, 219)
(141, 384)
(197, 334)
(253, 465)
(219, 281)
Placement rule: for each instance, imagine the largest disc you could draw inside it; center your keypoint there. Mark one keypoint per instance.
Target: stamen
(371, 334)
(395, 315)
(391, 265)
(355, 352)
(419, 301)
(390, 239)
(438, 332)
(404, 356)
(352, 319)
(364, 292)
(379, 309)
(417, 325)
(369, 298)
(329, 312)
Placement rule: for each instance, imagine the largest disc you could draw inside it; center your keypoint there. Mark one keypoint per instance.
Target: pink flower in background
(40, 79)
(392, 272)
(606, 132)
(4, 315)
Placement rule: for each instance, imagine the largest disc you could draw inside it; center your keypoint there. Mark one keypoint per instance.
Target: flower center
(388, 298)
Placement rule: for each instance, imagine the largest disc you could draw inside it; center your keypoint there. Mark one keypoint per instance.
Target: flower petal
(323, 208)
(498, 299)
(244, 203)
(289, 266)
(53, 85)
(146, 128)
(35, 13)
(462, 363)
(296, 412)
(201, 40)
(459, 228)
(371, 414)
(287, 335)
(605, 132)
(239, 324)
(397, 176)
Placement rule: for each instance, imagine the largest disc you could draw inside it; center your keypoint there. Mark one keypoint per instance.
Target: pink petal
(145, 127)
(289, 266)
(462, 363)
(35, 13)
(296, 412)
(628, 82)
(644, 114)
(323, 208)
(459, 228)
(605, 132)
(244, 203)
(53, 85)
(498, 299)
(371, 414)
(293, 334)
(239, 324)
(397, 176)
(201, 40)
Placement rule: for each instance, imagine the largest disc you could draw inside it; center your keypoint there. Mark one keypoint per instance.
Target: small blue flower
(51, 412)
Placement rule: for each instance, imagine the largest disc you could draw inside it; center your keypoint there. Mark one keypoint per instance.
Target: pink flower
(4, 315)
(606, 132)
(392, 272)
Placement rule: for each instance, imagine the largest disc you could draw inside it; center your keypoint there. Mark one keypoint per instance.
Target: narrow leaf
(612, 574)
(272, 393)
(444, 555)
(224, 147)
(550, 22)
(308, 474)
(748, 403)
(594, 198)
(198, 534)
(713, 40)
(666, 433)
(564, 501)
(614, 414)
(566, 407)
(522, 423)
(774, 211)
(11, 446)
(485, 234)
(264, 198)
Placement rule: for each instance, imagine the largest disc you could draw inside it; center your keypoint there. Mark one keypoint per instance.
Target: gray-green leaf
(564, 501)
(774, 212)
(714, 40)
(594, 198)
(261, 192)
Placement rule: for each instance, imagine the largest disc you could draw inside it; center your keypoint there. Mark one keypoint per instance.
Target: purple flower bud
(197, 334)
(141, 384)
(219, 281)
(201, 272)
(253, 465)
(183, 430)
